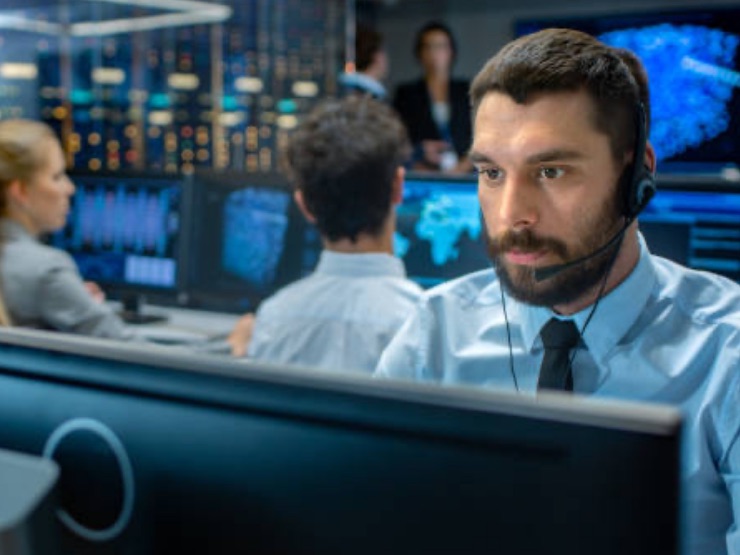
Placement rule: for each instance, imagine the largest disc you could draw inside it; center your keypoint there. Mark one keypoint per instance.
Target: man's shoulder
(333, 290)
(704, 296)
(480, 287)
(288, 293)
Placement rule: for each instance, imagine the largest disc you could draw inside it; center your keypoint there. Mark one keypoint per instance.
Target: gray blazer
(42, 288)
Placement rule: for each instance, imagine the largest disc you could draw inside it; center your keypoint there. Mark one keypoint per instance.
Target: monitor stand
(131, 312)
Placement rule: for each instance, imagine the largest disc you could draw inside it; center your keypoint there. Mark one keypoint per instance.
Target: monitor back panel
(187, 454)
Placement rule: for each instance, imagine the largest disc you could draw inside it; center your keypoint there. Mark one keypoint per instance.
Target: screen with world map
(693, 63)
(440, 234)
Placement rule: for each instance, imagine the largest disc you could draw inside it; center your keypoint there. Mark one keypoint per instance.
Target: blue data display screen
(440, 234)
(692, 81)
(124, 232)
(698, 229)
(255, 222)
(692, 58)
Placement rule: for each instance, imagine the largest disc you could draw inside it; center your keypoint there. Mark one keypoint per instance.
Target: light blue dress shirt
(666, 334)
(341, 317)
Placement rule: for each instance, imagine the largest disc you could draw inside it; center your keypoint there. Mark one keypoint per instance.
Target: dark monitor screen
(692, 58)
(247, 240)
(124, 230)
(440, 233)
(699, 228)
(163, 453)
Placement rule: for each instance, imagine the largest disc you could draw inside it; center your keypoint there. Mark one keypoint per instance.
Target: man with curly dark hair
(346, 162)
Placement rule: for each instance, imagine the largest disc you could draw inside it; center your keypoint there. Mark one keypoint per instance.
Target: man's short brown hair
(559, 60)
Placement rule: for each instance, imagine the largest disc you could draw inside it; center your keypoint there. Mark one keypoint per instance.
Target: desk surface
(183, 326)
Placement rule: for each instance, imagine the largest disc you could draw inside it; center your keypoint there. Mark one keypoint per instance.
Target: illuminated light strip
(183, 81)
(108, 76)
(22, 24)
(305, 89)
(189, 12)
(18, 70)
(249, 84)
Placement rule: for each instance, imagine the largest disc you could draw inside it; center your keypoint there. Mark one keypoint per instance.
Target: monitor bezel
(93, 380)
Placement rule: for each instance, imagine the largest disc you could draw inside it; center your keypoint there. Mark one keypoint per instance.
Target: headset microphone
(546, 272)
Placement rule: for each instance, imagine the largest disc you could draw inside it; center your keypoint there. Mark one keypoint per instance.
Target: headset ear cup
(641, 186)
(644, 190)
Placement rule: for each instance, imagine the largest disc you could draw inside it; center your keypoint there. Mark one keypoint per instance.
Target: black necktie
(558, 337)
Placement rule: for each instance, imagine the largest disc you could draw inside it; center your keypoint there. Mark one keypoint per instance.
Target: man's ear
(397, 191)
(301, 202)
(651, 160)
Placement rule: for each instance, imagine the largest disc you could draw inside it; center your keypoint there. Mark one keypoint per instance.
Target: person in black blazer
(435, 108)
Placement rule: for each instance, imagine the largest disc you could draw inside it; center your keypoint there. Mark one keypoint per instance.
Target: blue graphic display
(691, 81)
(255, 224)
(700, 229)
(439, 230)
(124, 231)
(692, 58)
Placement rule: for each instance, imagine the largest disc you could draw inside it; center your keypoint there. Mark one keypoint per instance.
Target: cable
(508, 338)
(600, 296)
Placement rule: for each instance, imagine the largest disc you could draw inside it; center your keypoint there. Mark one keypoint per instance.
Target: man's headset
(640, 185)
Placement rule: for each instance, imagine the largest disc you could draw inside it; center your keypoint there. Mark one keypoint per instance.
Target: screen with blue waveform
(693, 63)
(440, 234)
(125, 231)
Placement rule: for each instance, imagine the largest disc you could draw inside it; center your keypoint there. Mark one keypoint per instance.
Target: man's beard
(568, 284)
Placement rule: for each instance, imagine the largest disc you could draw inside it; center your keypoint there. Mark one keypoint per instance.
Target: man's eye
(491, 174)
(551, 173)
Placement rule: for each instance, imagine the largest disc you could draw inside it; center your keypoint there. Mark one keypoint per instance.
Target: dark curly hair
(343, 158)
(557, 60)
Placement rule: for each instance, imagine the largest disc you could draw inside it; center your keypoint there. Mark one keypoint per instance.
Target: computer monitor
(440, 234)
(696, 225)
(169, 452)
(692, 58)
(124, 232)
(247, 240)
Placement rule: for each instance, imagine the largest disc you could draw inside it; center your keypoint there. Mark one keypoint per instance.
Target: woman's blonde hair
(22, 154)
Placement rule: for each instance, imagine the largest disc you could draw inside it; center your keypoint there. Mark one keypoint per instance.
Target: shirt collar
(15, 231)
(365, 82)
(613, 318)
(360, 264)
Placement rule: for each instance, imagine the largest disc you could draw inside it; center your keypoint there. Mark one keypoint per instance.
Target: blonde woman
(41, 286)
